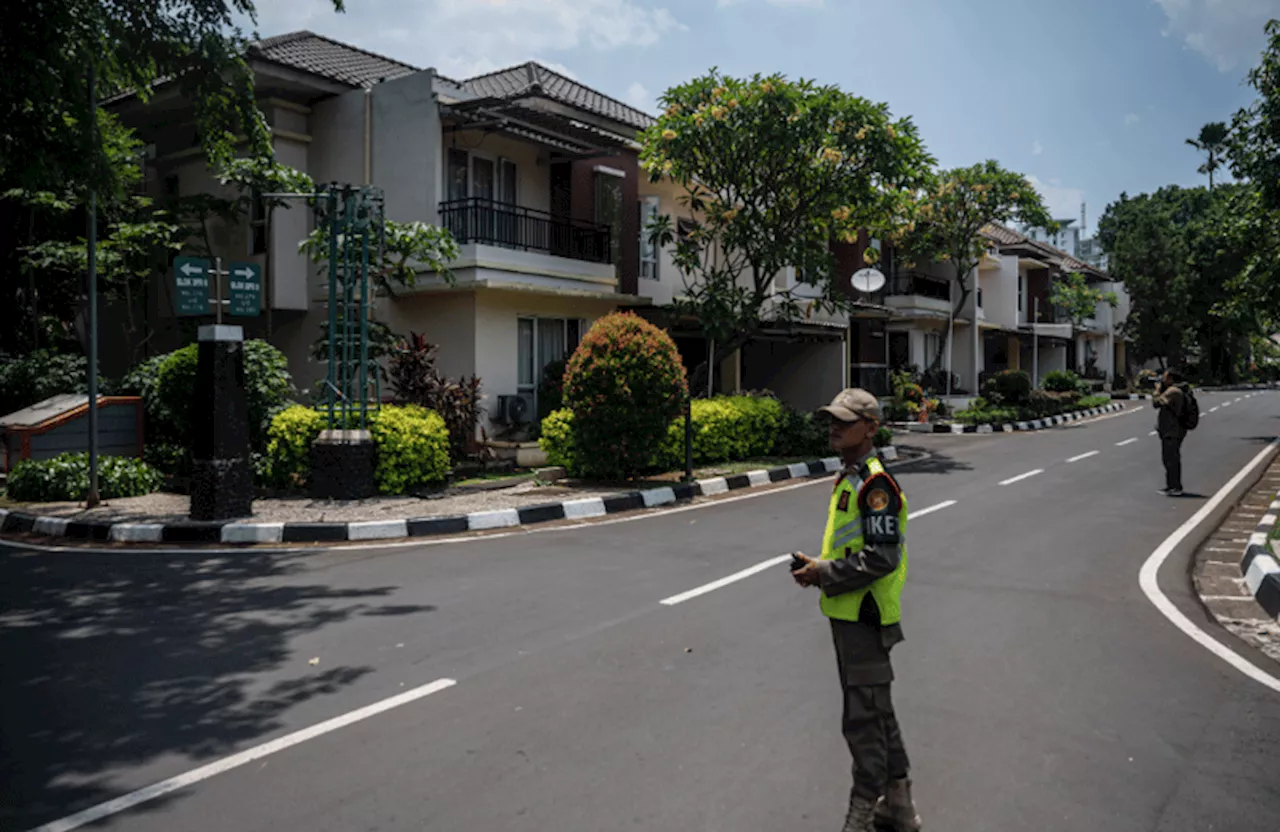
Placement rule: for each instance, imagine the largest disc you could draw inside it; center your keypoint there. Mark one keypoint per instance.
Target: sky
(1088, 98)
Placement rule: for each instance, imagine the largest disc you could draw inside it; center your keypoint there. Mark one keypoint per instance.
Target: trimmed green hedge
(725, 429)
(412, 447)
(65, 477)
(1040, 405)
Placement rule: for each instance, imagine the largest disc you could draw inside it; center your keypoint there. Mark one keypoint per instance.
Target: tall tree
(1254, 148)
(772, 171)
(954, 209)
(1073, 293)
(1212, 142)
(1180, 252)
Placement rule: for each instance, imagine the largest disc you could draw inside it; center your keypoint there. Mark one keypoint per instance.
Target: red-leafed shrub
(624, 384)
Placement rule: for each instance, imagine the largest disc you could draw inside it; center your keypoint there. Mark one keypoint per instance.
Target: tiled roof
(533, 77)
(318, 55)
(1004, 236)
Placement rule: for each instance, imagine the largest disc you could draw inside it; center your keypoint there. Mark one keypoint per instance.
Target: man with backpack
(1179, 412)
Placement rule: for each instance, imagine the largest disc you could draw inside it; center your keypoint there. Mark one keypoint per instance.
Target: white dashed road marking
(1128, 441)
(769, 564)
(1083, 456)
(1021, 477)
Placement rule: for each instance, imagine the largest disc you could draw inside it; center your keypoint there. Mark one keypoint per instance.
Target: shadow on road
(112, 661)
(938, 463)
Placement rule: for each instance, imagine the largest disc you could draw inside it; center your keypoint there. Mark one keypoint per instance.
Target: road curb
(1033, 425)
(1259, 566)
(250, 534)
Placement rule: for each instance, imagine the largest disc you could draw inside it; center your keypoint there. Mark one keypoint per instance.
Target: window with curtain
(540, 342)
(648, 248)
(609, 210)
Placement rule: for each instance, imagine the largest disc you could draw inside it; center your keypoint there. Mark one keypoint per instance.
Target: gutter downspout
(368, 135)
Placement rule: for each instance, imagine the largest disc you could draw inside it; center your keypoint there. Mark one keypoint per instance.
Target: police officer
(861, 572)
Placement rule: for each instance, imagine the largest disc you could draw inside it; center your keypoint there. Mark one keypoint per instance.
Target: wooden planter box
(61, 424)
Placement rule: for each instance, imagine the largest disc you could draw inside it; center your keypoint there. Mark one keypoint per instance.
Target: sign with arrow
(191, 281)
(246, 289)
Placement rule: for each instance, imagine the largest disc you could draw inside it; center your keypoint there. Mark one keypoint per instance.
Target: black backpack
(1190, 409)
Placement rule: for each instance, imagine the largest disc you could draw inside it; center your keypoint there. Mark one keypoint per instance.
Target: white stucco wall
(497, 333)
(447, 320)
(290, 224)
(1000, 292)
(406, 147)
(337, 139)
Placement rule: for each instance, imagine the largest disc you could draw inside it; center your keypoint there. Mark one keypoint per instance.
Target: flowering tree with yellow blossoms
(772, 172)
(951, 213)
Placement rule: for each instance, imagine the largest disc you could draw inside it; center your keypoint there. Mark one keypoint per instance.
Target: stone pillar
(221, 476)
(342, 465)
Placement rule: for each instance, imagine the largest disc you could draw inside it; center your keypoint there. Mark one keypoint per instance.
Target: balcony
(919, 295)
(501, 224)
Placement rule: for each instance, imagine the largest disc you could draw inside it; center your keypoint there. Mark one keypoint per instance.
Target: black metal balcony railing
(916, 284)
(514, 226)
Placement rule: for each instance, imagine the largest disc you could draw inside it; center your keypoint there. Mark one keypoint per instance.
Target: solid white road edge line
(1022, 477)
(128, 801)
(1148, 579)
(1083, 456)
(1128, 441)
(768, 564)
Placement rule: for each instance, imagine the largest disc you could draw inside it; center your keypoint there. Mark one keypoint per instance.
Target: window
(931, 342)
(257, 226)
(459, 182)
(541, 341)
(609, 210)
(648, 248)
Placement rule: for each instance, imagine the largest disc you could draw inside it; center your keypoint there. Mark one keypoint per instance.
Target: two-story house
(535, 174)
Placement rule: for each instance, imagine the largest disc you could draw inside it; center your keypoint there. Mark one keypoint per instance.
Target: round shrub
(884, 436)
(413, 448)
(1061, 381)
(289, 440)
(624, 384)
(167, 384)
(557, 440)
(66, 477)
(799, 434)
(1008, 387)
(763, 419)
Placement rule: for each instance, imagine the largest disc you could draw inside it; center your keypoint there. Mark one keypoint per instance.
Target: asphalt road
(1038, 687)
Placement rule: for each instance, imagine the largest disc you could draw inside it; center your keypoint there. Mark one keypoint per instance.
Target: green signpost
(246, 289)
(191, 281)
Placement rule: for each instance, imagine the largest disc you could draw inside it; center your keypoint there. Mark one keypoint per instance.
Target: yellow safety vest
(853, 502)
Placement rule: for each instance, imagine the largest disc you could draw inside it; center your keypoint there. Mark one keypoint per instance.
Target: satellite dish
(868, 280)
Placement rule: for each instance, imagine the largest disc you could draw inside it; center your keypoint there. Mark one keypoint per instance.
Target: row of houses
(538, 178)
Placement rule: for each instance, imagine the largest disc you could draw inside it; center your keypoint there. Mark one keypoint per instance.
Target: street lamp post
(92, 499)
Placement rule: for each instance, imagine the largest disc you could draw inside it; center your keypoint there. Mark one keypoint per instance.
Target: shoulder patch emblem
(843, 504)
(878, 499)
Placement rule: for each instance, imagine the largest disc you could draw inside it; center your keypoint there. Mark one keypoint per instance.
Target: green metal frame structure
(354, 220)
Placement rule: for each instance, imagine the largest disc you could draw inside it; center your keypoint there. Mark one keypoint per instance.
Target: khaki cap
(853, 404)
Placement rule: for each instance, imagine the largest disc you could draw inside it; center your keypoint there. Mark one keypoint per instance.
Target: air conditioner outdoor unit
(515, 410)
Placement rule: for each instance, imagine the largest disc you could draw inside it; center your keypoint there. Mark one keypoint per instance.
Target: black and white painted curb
(16, 522)
(1260, 566)
(1035, 424)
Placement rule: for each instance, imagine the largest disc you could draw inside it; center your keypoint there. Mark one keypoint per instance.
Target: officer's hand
(806, 575)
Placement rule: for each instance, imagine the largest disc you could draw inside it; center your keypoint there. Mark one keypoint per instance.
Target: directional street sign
(246, 289)
(191, 280)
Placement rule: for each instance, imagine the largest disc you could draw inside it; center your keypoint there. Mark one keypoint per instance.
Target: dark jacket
(1170, 402)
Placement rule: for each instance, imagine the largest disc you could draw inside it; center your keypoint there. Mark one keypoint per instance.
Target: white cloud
(1036, 148)
(1131, 119)
(813, 4)
(464, 37)
(1061, 201)
(1228, 33)
(638, 96)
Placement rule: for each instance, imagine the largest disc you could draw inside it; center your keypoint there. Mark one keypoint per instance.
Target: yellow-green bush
(289, 440)
(557, 440)
(413, 448)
